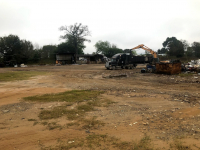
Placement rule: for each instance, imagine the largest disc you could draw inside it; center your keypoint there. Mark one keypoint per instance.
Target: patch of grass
(186, 74)
(60, 111)
(73, 124)
(85, 108)
(143, 144)
(56, 112)
(19, 75)
(54, 125)
(35, 123)
(70, 144)
(74, 114)
(104, 142)
(178, 145)
(77, 113)
(94, 103)
(96, 140)
(107, 102)
(32, 120)
(92, 123)
(68, 96)
(124, 145)
(101, 103)
(44, 123)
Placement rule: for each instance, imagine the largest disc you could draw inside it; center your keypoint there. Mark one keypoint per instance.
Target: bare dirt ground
(163, 107)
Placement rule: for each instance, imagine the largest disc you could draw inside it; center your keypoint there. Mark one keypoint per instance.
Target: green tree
(15, 50)
(113, 51)
(189, 52)
(76, 35)
(48, 51)
(174, 47)
(162, 51)
(196, 48)
(104, 47)
(66, 47)
(27, 51)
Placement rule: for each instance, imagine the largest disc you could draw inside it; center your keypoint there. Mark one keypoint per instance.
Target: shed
(65, 58)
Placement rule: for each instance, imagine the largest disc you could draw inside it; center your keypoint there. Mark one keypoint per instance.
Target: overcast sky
(126, 23)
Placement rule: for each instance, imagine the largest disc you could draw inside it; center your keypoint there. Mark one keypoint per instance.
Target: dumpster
(171, 67)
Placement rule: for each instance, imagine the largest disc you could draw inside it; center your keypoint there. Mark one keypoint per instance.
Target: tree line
(179, 48)
(16, 51)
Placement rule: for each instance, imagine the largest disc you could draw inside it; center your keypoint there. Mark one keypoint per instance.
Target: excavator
(146, 49)
(155, 56)
(151, 65)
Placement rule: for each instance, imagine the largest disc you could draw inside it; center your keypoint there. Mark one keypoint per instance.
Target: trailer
(126, 61)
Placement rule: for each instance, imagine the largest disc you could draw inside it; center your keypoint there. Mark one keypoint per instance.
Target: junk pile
(193, 66)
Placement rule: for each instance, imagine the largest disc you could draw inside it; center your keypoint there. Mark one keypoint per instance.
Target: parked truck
(129, 61)
(126, 61)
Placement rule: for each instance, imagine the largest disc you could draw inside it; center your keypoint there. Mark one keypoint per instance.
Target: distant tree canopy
(15, 50)
(174, 47)
(66, 47)
(75, 35)
(48, 51)
(189, 52)
(104, 47)
(162, 51)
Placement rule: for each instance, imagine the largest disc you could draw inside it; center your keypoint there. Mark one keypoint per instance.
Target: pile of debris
(194, 65)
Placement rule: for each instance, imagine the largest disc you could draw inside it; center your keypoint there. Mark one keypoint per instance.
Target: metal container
(169, 68)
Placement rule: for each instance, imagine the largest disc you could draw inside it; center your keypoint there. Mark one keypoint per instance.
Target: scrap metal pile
(194, 65)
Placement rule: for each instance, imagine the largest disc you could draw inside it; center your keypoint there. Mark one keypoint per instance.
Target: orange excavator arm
(146, 49)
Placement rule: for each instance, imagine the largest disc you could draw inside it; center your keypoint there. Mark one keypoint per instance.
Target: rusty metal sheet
(168, 68)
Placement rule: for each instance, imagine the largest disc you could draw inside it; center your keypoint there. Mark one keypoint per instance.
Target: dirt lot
(163, 107)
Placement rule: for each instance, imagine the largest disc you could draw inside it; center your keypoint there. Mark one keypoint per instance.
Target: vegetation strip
(68, 96)
(19, 75)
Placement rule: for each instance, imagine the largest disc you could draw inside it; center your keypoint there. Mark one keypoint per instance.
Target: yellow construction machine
(146, 49)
